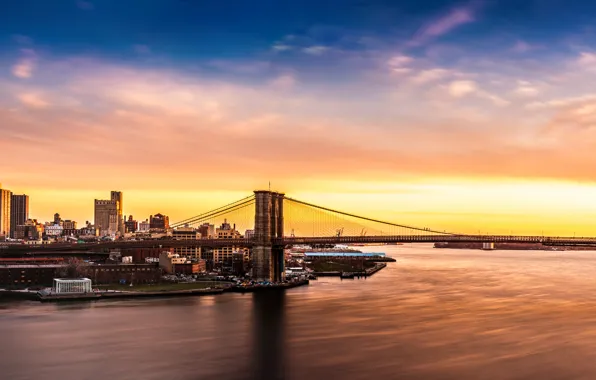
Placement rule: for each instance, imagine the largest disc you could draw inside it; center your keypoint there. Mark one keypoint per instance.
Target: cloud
(241, 67)
(587, 59)
(399, 60)
(444, 24)
(25, 66)
(561, 102)
(401, 70)
(281, 47)
(283, 82)
(23, 69)
(462, 88)
(522, 47)
(315, 49)
(430, 75)
(33, 100)
(525, 88)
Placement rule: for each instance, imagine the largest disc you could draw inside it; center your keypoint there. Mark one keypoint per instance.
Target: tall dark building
(19, 212)
(159, 222)
(131, 224)
(5, 200)
(118, 197)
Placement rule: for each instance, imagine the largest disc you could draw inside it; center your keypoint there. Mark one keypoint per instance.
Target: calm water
(435, 314)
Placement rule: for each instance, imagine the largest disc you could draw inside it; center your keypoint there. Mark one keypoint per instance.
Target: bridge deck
(214, 243)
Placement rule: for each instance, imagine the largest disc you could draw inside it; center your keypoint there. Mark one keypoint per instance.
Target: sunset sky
(466, 116)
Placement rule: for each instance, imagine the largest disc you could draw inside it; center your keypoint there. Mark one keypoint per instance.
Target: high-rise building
(69, 224)
(206, 231)
(131, 225)
(106, 216)
(159, 222)
(227, 231)
(5, 200)
(187, 233)
(118, 197)
(144, 226)
(19, 212)
(29, 230)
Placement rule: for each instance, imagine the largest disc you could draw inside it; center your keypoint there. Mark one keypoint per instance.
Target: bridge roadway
(6, 249)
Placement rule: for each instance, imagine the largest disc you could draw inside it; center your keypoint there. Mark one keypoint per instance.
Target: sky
(465, 116)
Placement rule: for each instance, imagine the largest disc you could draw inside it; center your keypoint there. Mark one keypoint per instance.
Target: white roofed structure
(72, 285)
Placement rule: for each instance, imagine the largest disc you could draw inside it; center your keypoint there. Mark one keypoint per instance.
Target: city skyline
(467, 116)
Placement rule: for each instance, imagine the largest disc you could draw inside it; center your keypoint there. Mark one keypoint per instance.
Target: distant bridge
(271, 215)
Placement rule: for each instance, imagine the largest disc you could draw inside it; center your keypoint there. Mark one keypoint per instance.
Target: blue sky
(314, 93)
(186, 32)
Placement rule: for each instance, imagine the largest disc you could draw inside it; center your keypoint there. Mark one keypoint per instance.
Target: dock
(351, 275)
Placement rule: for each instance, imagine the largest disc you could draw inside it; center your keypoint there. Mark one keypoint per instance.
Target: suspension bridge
(271, 221)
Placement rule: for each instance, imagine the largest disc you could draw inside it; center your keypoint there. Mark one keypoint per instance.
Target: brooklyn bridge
(277, 221)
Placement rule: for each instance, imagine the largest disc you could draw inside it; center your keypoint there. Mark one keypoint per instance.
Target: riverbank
(120, 295)
(256, 288)
(146, 291)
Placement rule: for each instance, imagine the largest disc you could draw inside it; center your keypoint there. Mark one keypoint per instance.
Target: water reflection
(434, 314)
(269, 335)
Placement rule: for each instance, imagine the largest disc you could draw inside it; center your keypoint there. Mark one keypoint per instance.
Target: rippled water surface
(434, 314)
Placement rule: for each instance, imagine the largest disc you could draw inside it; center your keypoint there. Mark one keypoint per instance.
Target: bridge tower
(267, 257)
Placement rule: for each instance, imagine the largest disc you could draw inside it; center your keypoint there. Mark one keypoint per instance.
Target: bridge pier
(268, 259)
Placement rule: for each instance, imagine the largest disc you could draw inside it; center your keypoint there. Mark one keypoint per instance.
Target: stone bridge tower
(267, 257)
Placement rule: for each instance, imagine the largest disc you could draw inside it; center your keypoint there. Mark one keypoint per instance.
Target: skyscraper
(5, 196)
(118, 197)
(19, 212)
(106, 216)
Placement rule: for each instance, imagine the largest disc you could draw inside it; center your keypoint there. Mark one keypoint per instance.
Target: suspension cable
(215, 213)
(190, 220)
(368, 219)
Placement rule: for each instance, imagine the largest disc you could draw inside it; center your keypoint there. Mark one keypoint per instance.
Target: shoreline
(97, 296)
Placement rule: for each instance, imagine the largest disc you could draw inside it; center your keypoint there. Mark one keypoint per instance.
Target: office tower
(5, 200)
(159, 222)
(131, 225)
(118, 197)
(19, 212)
(106, 216)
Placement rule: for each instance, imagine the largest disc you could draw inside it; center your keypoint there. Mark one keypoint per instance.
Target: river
(434, 314)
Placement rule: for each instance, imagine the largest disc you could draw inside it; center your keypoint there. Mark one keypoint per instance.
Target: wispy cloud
(315, 49)
(525, 88)
(33, 100)
(464, 88)
(285, 81)
(430, 75)
(587, 59)
(25, 66)
(444, 24)
(281, 47)
(523, 47)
